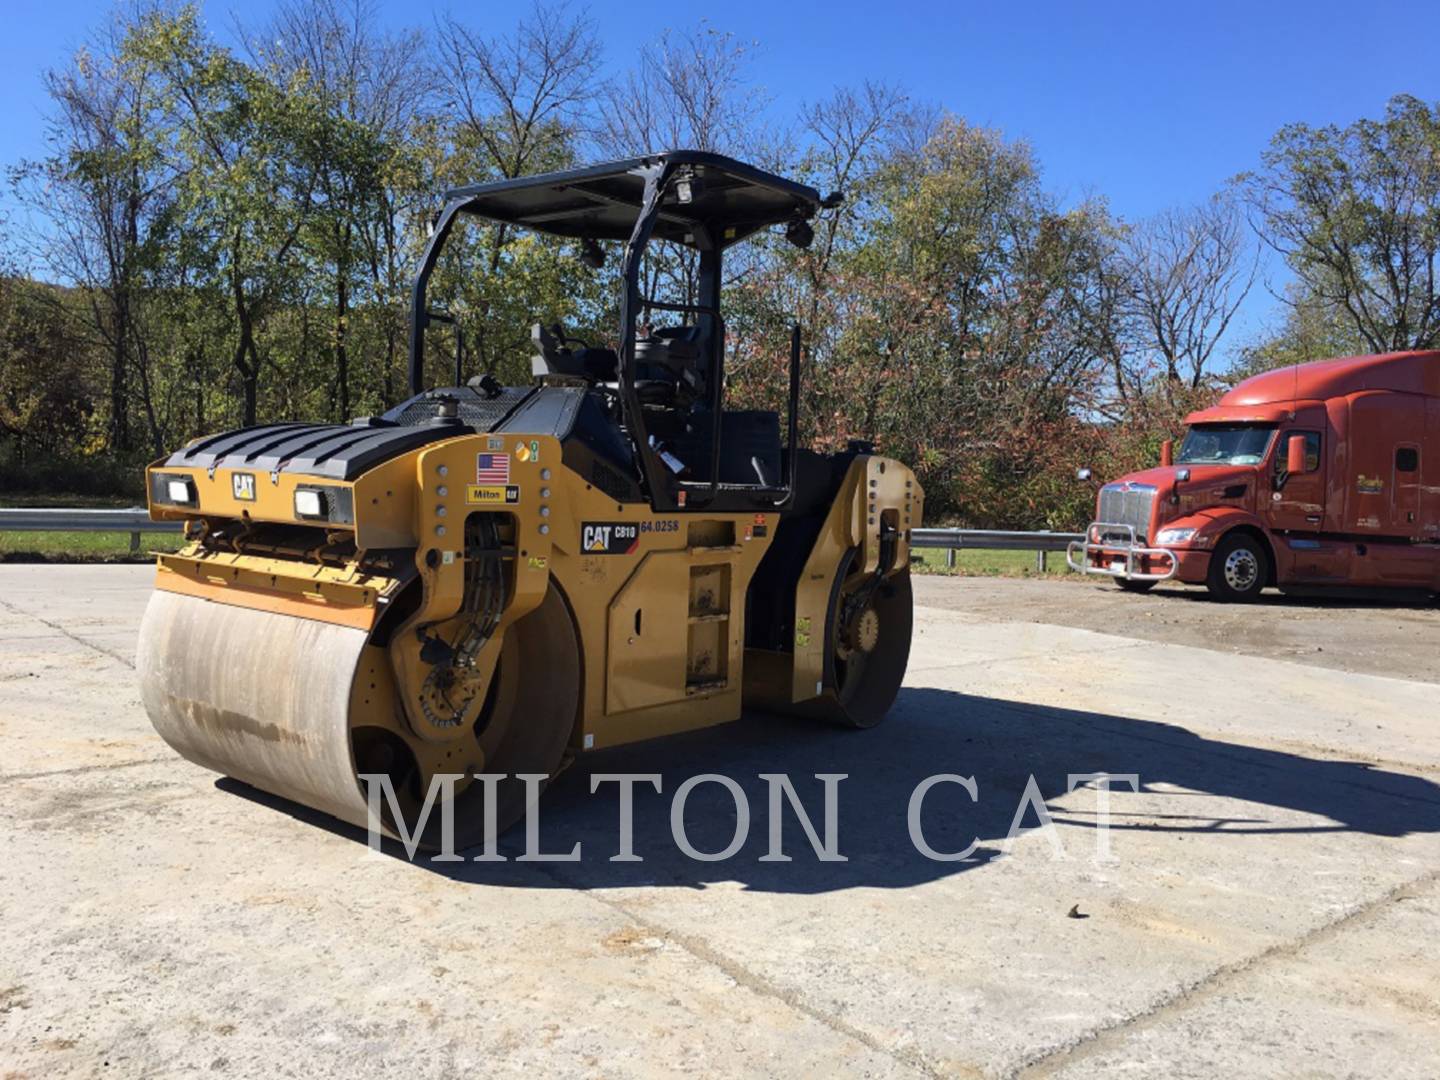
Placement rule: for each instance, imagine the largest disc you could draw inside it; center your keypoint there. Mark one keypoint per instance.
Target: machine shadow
(1000, 743)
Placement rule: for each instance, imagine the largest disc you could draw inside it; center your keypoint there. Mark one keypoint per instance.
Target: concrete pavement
(1269, 910)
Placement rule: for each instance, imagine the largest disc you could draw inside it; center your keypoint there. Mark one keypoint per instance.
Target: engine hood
(1163, 477)
(1207, 486)
(331, 451)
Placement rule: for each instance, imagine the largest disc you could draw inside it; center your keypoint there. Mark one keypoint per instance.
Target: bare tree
(851, 135)
(1109, 327)
(361, 74)
(519, 96)
(1186, 274)
(689, 91)
(519, 101)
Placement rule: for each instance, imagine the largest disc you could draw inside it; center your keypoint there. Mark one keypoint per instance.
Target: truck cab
(1324, 474)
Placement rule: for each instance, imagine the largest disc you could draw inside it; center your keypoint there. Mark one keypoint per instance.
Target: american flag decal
(492, 468)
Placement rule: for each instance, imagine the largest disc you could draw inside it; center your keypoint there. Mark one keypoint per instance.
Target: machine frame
(584, 204)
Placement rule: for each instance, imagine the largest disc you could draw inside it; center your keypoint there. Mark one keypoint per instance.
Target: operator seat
(554, 357)
(669, 366)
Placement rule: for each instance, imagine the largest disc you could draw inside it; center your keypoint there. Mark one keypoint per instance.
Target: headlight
(168, 489)
(331, 503)
(1174, 536)
(310, 503)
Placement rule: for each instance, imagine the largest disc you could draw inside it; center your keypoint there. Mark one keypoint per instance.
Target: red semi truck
(1323, 474)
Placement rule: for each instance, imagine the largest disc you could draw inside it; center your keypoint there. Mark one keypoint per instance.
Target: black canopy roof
(728, 197)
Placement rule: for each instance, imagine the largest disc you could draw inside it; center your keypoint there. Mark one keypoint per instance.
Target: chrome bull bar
(1118, 543)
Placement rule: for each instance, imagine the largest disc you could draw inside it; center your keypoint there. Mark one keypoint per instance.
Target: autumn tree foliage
(224, 229)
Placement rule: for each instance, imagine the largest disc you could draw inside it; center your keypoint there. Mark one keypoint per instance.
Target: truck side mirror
(1167, 453)
(1295, 454)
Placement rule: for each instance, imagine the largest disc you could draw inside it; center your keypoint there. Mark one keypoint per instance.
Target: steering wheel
(558, 332)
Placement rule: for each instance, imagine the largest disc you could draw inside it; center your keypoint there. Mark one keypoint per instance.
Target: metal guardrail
(133, 521)
(992, 539)
(137, 520)
(953, 540)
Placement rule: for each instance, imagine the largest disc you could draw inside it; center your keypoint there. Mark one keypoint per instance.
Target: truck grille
(1128, 504)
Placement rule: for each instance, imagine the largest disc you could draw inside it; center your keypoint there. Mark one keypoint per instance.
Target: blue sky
(1151, 105)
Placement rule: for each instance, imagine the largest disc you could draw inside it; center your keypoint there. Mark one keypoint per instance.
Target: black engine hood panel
(332, 451)
(344, 451)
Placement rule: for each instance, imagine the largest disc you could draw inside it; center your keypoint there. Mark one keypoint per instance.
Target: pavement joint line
(7, 777)
(1334, 754)
(1108, 1035)
(13, 610)
(757, 984)
(1026, 657)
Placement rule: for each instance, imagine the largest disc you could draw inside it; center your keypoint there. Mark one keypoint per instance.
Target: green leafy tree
(368, 89)
(247, 186)
(1355, 211)
(101, 192)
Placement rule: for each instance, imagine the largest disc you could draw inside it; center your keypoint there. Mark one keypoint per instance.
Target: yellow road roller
(495, 579)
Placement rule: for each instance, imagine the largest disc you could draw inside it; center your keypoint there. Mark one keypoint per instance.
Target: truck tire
(1133, 586)
(1239, 569)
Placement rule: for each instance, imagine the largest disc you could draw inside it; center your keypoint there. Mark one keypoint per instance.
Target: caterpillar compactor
(494, 579)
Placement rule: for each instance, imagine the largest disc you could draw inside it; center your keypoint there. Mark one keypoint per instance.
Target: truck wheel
(1239, 569)
(1130, 585)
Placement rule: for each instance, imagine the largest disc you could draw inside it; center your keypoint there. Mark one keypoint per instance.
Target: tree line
(223, 232)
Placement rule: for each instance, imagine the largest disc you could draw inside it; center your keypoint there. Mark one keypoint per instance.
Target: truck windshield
(1225, 444)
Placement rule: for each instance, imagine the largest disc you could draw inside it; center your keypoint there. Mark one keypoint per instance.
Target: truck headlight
(1174, 536)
